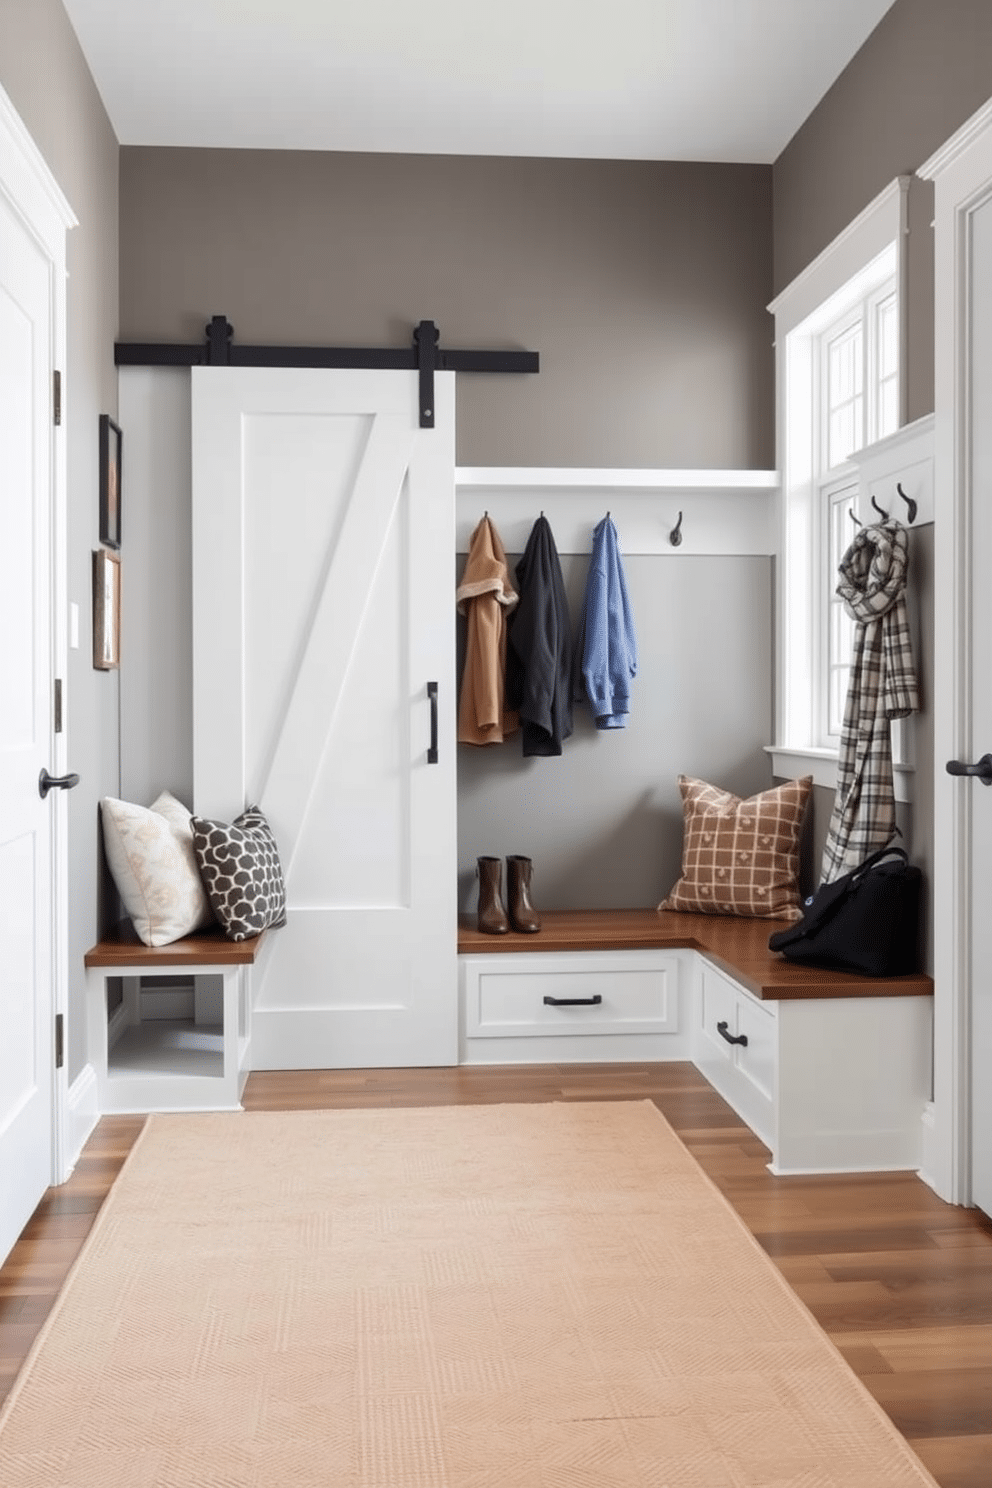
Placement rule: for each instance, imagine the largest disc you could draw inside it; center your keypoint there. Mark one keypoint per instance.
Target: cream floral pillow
(150, 853)
(741, 857)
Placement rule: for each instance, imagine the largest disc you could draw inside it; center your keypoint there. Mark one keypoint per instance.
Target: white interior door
(323, 606)
(979, 425)
(26, 822)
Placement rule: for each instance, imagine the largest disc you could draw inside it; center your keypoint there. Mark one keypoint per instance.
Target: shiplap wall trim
(723, 511)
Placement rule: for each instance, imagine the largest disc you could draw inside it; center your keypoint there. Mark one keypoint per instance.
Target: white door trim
(37, 199)
(962, 174)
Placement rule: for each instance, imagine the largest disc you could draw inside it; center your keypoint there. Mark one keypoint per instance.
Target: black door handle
(983, 769)
(740, 1038)
(432, 694)
(48, 782)
(573, 1001)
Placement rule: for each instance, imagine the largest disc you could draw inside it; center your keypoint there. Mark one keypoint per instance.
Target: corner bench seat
(739, 945)
(188, 1064)
(830, 1069)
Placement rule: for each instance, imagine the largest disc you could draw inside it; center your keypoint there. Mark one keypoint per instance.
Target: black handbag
(867, 921)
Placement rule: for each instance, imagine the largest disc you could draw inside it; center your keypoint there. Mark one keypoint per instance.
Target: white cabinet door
(26, 922)
(323, 606)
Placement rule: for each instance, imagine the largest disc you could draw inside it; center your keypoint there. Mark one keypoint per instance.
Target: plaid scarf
(882, 687)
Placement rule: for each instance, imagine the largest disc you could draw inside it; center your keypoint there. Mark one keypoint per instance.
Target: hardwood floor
(900, 1281)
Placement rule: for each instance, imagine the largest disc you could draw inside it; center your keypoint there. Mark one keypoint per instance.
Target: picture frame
(106, 610)
(111, 462)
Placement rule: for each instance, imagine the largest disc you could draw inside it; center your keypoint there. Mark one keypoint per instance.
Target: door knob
(48, 782)
(983, 769)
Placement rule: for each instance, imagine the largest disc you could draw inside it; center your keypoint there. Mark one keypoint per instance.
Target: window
(839, 347)
(856, 402)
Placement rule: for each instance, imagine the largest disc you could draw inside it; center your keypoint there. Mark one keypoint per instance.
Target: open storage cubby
(177, 1042)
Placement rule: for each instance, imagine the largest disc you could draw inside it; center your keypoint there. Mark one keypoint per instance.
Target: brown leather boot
(492, 915)
(522, 915)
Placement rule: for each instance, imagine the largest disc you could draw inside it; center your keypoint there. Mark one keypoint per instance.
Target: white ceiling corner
(720, 80)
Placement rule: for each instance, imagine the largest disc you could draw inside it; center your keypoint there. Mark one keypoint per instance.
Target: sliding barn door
(323, 605)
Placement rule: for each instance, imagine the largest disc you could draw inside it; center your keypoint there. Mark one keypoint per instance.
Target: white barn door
(323, 605)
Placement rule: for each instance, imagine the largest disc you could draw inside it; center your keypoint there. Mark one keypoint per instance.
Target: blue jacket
(607, 643)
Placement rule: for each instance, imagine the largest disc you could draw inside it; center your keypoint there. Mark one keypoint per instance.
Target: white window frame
(868, 252)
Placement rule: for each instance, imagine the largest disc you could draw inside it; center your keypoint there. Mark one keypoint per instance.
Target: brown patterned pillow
(741, 857)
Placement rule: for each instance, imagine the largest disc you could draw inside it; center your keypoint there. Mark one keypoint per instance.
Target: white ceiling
(727, 80)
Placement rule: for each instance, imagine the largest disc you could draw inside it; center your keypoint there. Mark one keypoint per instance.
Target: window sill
(790, 763)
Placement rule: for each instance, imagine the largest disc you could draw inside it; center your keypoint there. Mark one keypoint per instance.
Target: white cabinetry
(581, 1006)
(833, 1084)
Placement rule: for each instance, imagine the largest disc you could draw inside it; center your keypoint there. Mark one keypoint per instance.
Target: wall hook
(910, 503)
(854, 518)
(675, 536)
(883, 514)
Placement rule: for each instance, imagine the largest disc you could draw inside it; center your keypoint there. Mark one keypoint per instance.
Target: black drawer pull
(573, 1001)
(740, 1038)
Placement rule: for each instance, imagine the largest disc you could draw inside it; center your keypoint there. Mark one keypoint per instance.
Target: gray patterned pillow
(240, 868)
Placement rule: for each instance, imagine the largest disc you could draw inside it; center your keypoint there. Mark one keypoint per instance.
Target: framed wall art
(106, 610)
(111, 453)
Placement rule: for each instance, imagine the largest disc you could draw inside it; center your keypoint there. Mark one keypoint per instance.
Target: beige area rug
(545, 1296)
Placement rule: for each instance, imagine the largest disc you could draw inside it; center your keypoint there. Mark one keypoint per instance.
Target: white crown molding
(951, 150)
(882, 221)
(27, 177)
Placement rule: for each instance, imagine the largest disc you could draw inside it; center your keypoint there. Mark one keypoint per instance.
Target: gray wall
(603, 822)
(43, 71)
(643, 286)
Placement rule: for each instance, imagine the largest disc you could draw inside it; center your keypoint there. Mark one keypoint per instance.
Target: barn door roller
(425, 356)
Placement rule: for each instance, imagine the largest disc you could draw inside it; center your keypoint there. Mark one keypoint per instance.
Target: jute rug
(546, 1296)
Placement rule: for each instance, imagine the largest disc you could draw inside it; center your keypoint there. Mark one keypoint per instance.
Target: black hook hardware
(910, 503)
(675, 536)
(854, 517)
(883, 514)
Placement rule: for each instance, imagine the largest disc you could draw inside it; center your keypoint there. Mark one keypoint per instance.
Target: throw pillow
(150, 855)
(240, 868)
(741, 857)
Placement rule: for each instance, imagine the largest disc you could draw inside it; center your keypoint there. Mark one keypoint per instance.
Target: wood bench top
(210, 948)
(740, 946)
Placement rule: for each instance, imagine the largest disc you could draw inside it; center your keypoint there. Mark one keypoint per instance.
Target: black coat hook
(883, 514)
(675, 536)
(854, 517)
(910, 503)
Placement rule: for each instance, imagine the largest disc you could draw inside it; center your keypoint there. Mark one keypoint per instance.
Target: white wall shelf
(724, 511)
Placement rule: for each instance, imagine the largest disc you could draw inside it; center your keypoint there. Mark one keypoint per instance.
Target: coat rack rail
(426, 356)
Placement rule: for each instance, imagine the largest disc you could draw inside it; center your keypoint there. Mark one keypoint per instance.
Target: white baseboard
(928, 1147)
(82, 1113)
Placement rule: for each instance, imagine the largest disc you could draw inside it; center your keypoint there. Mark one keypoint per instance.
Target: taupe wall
(43, 71)
(643, 286)
(924, 70)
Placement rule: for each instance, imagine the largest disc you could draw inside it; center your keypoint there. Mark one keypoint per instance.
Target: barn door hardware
(425, 357)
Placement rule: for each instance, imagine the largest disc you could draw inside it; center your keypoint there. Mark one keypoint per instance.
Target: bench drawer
(573, 995)
(745, 1073)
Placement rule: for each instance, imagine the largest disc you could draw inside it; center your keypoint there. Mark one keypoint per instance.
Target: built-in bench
(196, 1062)
(832, 1070)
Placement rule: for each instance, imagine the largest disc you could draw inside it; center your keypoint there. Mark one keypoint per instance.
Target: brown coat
(485, 597)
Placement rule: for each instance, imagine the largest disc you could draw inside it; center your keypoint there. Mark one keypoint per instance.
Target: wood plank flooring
(900, 1281)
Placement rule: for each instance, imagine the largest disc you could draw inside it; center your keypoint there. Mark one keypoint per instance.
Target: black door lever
(48, 782)
(983, 769)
